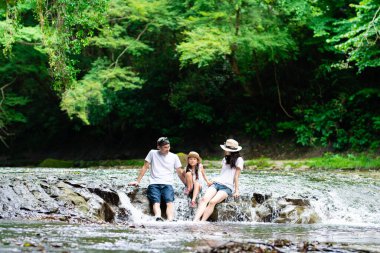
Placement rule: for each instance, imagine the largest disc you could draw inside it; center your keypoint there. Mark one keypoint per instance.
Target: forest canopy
(114, 69)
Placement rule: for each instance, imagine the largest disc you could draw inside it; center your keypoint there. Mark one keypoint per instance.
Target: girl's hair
(188, 168)
(232, 158)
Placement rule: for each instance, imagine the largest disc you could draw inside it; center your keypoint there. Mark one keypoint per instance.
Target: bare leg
(219, 197)
(210, 193)
(170, 211)
(197, 188)
(157, 210)
(189, 181)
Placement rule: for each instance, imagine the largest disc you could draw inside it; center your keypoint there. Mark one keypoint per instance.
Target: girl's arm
(236, 182)
(204, 175)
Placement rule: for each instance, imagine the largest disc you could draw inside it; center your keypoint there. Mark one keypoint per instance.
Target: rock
(232, 211)
(264, 213)
(283, 203)
(101, 209)
(258, 198)
(108, 195)
(72, 199)
(298, 202)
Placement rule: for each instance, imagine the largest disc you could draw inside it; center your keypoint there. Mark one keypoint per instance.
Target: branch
(374, 26)
(125, 49)
(279, 94)
(2, 91)
(29, 43)
(3, 141)
(372, 23)
(2, 129)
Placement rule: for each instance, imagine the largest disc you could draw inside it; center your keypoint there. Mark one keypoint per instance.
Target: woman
(226, 183)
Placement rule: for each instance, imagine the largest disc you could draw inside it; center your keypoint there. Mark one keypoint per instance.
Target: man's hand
(134, 183)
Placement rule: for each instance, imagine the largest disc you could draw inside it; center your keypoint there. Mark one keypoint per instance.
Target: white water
(342, 198)
(136, 215)
(338, 197)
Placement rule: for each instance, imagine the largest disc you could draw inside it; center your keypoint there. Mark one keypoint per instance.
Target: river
(348, 203)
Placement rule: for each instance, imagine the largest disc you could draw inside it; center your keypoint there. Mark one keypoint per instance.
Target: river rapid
(347, 202)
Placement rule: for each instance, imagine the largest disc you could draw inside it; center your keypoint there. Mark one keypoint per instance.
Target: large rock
(285, 210)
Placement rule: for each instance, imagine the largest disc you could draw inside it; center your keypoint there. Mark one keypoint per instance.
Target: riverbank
(327, 161)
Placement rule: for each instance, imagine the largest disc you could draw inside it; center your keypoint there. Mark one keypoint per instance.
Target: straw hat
(194, 155)
(231, 145)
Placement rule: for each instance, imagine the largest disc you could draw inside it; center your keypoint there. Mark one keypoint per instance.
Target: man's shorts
(158, 193)
(221, 187)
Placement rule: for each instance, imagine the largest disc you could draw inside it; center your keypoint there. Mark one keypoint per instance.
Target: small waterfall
(136, 215)
(339, 197)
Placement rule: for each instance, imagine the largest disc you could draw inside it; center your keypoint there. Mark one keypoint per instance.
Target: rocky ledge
(52, 197)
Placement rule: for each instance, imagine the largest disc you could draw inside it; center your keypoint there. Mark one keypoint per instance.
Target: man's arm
(142, 172)
(181, 175)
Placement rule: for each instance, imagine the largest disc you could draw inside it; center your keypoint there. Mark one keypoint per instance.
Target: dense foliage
(127, 70)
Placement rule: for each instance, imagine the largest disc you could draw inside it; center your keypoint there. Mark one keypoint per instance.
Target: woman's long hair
(232, 158)
(188, 168)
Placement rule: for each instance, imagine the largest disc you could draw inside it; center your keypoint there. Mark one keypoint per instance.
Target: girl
(228, 181)
(192, 179)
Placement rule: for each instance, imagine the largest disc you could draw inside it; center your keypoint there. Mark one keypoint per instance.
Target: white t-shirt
(227, 174)
(162, 167)
(200, 176)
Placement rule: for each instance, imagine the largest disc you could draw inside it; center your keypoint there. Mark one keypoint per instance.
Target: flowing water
(348, 204)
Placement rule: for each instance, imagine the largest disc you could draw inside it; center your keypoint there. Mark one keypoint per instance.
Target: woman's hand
(236, 194)
(209, 183)
(134, 183)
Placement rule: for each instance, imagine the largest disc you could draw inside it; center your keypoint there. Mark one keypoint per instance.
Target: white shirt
(227, 174)
(162, 167)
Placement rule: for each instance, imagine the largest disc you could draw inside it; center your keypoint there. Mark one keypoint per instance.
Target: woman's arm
(204, 175)
(236, 182)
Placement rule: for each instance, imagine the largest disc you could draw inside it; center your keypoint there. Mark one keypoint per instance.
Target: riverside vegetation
(101, 79)
(327, 161)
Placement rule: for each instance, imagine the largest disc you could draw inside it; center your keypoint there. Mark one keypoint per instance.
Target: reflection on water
(177, 236)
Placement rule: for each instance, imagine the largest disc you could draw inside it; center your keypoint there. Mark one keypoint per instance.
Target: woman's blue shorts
(221, 187)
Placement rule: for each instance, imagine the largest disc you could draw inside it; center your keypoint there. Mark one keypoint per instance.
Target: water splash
(136, 215)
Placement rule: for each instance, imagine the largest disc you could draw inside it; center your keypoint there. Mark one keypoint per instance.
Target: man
(162, 163)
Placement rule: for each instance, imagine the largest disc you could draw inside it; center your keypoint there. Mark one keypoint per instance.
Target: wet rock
(242, 247)
(139, 199)
(109, 196)
(101, 209)
(258, 198)
(298, 202)
(264, 213)
(286, 210)
(73, 200)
